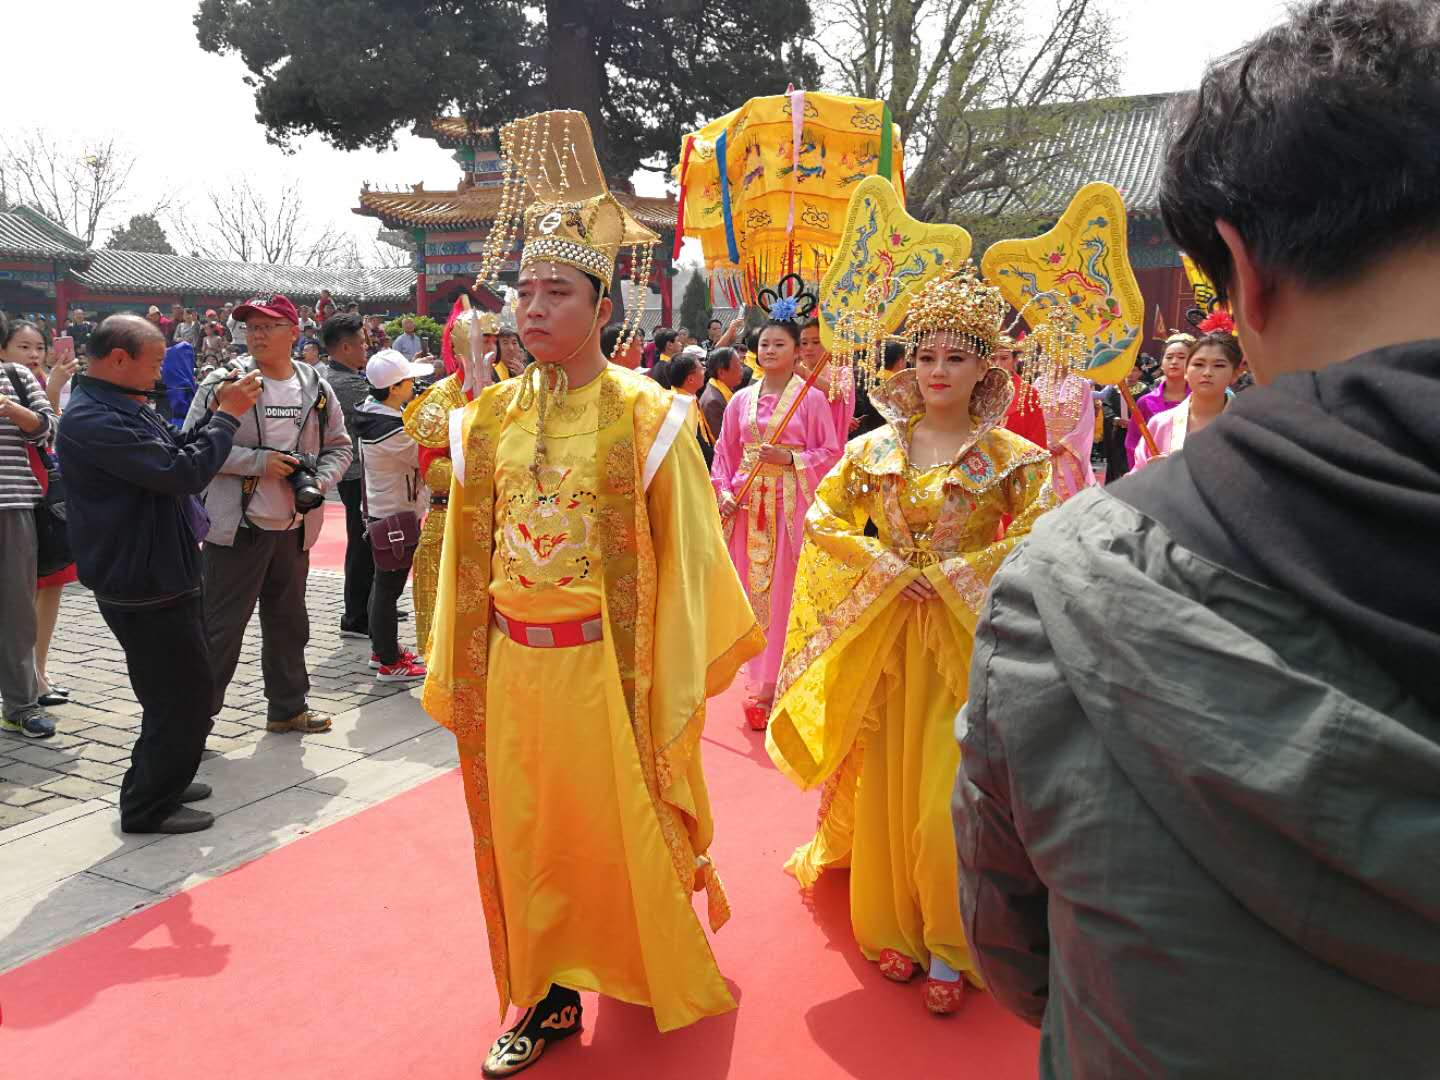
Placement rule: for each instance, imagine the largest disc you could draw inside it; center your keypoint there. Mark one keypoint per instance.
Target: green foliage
(425, 326)
(695, 305)
(143, 233)
(643, 71)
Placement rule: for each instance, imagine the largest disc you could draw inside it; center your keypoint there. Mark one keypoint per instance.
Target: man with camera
(131, 486)
(266, 510)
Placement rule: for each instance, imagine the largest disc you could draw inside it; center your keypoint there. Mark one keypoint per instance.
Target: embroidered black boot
(554, 1017)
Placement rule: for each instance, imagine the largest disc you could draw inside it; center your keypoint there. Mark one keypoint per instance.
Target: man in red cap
(266, 509)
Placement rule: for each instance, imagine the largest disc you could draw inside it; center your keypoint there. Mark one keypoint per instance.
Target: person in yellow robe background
(877, 651)
(581, 533)
(427, 420)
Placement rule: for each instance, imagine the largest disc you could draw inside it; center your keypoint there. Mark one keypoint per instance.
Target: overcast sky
(89, 68)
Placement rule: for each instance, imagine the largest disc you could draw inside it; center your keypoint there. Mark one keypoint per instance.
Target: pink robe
(812, 437)
(1070, 425)
(1169, 430)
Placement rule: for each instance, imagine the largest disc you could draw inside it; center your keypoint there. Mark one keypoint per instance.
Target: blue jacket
(131, 483)
(178, 374)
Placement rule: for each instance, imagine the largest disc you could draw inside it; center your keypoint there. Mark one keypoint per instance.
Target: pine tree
(695, 305)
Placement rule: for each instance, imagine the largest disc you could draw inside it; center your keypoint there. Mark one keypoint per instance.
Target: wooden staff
(1136, 418)
(789, 415)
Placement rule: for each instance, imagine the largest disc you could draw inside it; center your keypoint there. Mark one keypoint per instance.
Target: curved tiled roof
(1122, 141)
(25, 234)
(476, 207)
(452, 132)
(142, 272)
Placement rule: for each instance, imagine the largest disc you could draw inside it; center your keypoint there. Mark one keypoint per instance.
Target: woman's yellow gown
(872, 681)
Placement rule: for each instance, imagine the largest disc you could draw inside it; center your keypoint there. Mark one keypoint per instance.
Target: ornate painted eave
(477, 207)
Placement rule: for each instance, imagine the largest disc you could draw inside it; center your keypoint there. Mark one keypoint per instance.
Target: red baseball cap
(277, 307)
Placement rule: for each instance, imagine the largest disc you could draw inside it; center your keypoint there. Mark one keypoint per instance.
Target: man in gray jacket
(266, 510)
(1198, 819)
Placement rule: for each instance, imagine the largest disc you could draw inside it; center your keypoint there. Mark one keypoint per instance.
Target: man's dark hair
(127, 332)
(894, 354)
(719, 360)
(610, 337)
(713, 322)
(676, 371)
(339, 327)
(664, 338)
(1319, 142)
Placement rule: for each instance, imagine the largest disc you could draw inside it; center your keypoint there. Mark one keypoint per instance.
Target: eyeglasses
(265, 328)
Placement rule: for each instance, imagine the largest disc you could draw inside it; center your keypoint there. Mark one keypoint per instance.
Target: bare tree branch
(245, 224)
(981, 99)
(76, 185)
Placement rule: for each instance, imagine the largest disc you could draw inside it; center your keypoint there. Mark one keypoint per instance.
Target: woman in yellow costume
(878, 647)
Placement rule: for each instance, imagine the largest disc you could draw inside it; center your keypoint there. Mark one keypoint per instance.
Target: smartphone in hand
(64, 349)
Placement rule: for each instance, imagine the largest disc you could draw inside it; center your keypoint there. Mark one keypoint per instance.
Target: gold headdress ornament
(971, 312)
(572, 219)
(1052, 353)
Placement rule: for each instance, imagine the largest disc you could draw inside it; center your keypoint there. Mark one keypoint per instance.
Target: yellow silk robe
(872, 681)
(582, 765)
(427, 422)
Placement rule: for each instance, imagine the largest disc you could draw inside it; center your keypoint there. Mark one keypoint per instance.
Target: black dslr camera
(305, 484)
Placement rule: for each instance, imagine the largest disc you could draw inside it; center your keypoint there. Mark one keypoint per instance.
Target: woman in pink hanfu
(836, 383)
(765, 531)
(1210, 371)
(1069, 409)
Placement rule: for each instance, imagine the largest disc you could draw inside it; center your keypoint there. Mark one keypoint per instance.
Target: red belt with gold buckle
(556, 635)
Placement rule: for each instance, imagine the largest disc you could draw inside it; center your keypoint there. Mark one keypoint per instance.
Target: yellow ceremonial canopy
(765, 188)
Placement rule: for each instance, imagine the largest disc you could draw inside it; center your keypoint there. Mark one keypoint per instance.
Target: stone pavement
(65, 867)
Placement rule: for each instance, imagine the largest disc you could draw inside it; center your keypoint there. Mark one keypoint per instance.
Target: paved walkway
(65, 867)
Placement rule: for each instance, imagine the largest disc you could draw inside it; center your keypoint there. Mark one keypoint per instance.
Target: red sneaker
(405, 654)
(403, 670)
(756, 715)
(896, 966)
(944, 998)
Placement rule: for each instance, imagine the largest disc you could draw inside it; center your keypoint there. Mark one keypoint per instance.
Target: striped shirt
(19, 490)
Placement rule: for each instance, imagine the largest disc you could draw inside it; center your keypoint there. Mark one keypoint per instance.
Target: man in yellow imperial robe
(581, 535)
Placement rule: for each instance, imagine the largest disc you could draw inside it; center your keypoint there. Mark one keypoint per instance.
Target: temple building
(449, 228)
(44, 270)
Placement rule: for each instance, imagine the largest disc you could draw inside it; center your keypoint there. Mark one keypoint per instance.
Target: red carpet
(359, 952)
(329, 551)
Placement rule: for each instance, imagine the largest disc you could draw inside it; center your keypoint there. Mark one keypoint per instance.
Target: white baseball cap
(389, 366)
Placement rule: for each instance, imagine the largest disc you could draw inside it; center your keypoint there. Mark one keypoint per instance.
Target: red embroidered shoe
(896, 966)
(944, 998)
(756, 714)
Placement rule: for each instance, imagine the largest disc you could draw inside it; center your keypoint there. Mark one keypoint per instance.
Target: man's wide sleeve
(1003, 900)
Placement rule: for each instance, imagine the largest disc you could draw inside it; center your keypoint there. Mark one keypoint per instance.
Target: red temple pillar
(62, 296)
(422, 298)
(667, 297)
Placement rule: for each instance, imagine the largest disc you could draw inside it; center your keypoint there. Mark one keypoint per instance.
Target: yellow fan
(883, 257)
(1083, 263)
